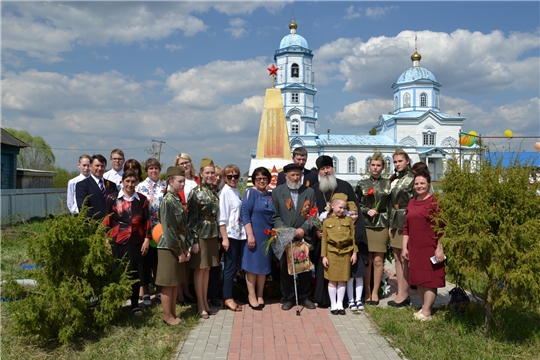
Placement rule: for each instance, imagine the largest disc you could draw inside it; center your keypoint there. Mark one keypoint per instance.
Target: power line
(108, 149)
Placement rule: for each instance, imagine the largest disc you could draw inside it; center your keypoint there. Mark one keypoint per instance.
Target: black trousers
(303, 282)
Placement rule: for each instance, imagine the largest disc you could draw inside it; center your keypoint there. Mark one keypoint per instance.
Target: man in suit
(327, 186)
(95, 188)
(292, 202)
(299, 157)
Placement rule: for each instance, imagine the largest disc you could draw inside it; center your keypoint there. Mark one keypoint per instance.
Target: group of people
(193, 221)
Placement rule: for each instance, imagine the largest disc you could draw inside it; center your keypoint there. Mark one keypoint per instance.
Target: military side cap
(292, 166)
(175, 171)
(352, 206)
(206, 162)
(339, 196)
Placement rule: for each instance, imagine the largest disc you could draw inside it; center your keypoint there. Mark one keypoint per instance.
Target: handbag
(458, 299)
(302, 263)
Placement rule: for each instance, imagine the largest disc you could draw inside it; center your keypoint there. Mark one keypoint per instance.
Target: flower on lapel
(305, 208)
(289, 203)
(107, 184)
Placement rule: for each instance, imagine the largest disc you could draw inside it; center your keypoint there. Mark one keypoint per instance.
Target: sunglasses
(230, 177)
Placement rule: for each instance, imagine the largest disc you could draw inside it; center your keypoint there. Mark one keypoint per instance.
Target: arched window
(351, 165)
(368, 160)
(396, 103)
(423, 99)
(387, 163)
(336, 164)
(295, 127)
(295, 70)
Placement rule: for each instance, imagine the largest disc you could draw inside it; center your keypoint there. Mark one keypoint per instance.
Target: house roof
(8, 139)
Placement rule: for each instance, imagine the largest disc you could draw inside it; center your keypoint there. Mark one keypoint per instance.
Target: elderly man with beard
(327, 186)
(292, 202)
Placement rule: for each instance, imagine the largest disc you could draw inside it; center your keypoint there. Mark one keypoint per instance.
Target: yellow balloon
(473, 133)
(508, 133)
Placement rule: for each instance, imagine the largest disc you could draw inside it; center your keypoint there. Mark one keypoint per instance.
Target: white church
(416, 124)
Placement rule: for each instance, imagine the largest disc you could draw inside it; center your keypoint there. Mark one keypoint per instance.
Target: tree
(62, 177)
(38, 156)
(373, 131)
(492, 221)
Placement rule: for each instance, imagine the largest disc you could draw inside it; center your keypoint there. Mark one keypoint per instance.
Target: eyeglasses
(183, 163)
(230, 177)
(261, 179)
(117, 159)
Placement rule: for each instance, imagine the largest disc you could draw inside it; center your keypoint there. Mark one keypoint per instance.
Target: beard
(293, 185)
(327, 183)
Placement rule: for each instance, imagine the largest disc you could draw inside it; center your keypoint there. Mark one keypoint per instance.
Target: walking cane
(294, 277)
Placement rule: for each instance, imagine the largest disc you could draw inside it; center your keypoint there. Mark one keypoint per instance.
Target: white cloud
(44, 93)
(205, 86)
(173, 47)
(377, 12)
(237, 28)
(362, 113)
(351, 13)
(99, 57)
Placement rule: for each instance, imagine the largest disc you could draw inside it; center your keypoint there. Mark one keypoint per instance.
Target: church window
(387, 162)
(368, 160)
(351, 165)
(336, 163)
(423, 99)
(294, 98)
(396, 103)
(295, 71)
(406, 100)
(429, 139)
(295, 127)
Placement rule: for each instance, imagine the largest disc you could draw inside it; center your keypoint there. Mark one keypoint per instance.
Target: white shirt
(121, 194)
(114, 176)
(188, 186)
(229, 213)
(71, 188)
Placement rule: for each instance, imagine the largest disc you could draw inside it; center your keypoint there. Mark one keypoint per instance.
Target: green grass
(128, 337)
(516, 334)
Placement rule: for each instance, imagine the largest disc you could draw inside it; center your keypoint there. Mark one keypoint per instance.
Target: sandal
(146, 300)
(352, 305)
(137, 312)
(205, 315)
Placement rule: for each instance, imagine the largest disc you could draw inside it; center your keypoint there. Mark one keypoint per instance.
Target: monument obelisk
(273, 148)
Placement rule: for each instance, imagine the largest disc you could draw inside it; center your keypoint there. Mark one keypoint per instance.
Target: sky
(93, 76)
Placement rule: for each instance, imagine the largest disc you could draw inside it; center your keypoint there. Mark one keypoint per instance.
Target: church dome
(293, 39)
(416, 73)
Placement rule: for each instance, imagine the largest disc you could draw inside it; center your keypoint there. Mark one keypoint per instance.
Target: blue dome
(293, 40)
(416, 73)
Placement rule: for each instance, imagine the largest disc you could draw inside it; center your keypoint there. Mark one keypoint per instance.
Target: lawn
(448, 336)
(127, 337)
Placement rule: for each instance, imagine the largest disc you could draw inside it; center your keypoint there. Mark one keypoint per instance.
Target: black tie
(102, 188)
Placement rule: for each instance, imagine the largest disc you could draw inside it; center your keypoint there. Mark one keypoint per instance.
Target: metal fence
(23, 204)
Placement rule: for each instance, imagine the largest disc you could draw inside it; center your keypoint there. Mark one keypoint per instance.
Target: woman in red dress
(421, 243)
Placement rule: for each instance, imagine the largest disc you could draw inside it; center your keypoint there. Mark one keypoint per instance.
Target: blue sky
(93, 76)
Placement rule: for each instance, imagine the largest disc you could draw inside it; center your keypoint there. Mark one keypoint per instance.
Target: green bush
(76, 291)
(492, 221)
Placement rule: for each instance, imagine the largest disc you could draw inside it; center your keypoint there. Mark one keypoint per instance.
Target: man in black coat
(95, 188)
(299, 157)
(327, 186)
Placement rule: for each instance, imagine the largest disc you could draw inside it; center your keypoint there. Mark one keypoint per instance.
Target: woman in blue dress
(257, 210)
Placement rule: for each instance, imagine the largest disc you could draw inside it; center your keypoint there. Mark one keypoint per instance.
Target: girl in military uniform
(401, 191)
(373, 195)
(203, 206)
(338, 251)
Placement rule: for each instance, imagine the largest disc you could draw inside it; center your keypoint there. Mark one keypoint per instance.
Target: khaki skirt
(377, 239)
(169, 271)
(339, 267)
(208, 255)
(396, 239)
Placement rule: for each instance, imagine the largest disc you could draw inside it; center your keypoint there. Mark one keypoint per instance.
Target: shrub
(492, 222)
(76, 291)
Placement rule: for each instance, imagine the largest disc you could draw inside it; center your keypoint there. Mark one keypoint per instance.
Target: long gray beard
(327, 183)
(293, 185)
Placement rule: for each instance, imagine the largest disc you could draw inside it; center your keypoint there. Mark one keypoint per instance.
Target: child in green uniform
(338, 251)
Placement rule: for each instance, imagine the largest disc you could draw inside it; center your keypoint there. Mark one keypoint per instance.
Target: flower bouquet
(313, 219)
(278, 240)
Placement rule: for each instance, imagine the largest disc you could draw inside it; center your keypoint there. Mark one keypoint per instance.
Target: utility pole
(159, 151)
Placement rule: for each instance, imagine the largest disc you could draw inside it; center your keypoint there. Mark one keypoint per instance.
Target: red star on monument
(273, 70)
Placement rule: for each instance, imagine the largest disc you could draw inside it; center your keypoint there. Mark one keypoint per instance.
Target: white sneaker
(352, 305)
(359, 305)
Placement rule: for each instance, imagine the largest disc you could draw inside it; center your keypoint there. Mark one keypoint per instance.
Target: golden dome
(293, 25)
(416, 56)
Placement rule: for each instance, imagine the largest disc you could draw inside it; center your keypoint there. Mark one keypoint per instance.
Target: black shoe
(287, 305)
(373, 303)
(308, 304)
(282, 300)
(334, 312)
(404, 303)
(342, 312)
(260, 307)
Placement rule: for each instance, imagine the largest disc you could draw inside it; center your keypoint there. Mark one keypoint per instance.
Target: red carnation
(371, 191)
